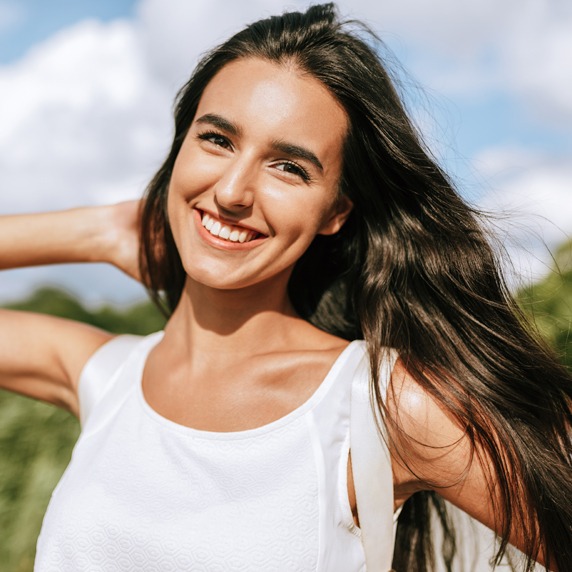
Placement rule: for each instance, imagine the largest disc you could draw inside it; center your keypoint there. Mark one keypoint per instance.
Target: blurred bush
(549, 303)
(36, 439)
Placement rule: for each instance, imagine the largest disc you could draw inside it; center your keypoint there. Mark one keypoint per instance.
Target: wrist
(103, 234)
(91, 232)
(116, 236)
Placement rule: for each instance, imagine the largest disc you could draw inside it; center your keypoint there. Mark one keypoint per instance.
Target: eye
(215, 138)
(294, 169)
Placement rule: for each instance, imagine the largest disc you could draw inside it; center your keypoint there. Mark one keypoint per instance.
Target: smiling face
(257, 175)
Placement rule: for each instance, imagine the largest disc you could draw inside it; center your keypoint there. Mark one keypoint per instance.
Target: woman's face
(257, 175)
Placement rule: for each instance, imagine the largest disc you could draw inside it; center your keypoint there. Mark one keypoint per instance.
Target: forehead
(277, 101)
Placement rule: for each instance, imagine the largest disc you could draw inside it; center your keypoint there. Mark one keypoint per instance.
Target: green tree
(549, 303)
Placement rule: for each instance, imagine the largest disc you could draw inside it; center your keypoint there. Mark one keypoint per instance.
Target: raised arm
(42, 356)
(89, 234)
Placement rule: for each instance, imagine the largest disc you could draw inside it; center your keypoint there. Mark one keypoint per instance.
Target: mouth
(227, 232)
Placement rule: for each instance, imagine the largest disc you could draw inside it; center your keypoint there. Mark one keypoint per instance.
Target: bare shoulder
(430, 445)
(42, 356)
(432, 450)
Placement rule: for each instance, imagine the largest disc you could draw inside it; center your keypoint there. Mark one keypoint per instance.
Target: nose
(234, 191)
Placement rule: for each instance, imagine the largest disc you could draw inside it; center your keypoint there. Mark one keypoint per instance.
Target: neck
(241, 321)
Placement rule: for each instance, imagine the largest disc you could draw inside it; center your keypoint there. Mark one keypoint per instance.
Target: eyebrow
(290, 149)
(221, 123)
(297, 152)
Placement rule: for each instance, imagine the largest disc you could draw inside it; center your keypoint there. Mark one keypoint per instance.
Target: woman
(296, 211)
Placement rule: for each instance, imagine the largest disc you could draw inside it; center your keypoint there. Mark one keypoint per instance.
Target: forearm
(76, 235)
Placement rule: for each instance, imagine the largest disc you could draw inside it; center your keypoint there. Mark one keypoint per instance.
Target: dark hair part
(411, 269)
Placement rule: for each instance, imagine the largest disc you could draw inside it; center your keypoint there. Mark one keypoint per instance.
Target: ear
(340, 212)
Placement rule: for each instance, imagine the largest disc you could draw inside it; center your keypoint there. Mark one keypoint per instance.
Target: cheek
(300, 219)
(310, 214)
(173, 217)
(191, 176)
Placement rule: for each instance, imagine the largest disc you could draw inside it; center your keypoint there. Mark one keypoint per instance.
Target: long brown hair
(411, 269)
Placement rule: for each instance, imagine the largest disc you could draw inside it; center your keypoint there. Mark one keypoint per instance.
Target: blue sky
(29, 22)
(86, 88)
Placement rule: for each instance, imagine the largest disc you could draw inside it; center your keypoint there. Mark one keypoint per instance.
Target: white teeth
(226, 232)
(215, 229)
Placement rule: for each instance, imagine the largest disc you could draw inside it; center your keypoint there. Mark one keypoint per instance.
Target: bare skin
(266, 161)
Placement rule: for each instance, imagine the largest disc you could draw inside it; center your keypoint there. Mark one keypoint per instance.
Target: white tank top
(143, 493)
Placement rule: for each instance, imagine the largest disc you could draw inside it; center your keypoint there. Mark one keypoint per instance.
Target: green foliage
(36, 439)
(549, 303)
(141, 318)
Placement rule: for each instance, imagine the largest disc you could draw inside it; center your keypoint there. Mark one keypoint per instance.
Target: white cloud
(531, 196)
(176, 32)
(537, 60)
(83, 122)
(521, 47)
(437, 25)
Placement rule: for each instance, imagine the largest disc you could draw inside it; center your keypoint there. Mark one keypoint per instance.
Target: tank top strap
(371, 463)
(102, 370)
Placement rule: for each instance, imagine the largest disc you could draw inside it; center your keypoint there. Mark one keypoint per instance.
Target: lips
(228, 232)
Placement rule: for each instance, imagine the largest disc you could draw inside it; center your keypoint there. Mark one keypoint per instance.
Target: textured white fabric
(143, 493)
(371, 465)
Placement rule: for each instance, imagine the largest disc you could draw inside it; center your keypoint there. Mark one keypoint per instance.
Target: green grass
(36, 440)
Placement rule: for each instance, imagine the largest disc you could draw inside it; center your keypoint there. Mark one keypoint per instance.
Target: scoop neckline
(290, 417)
